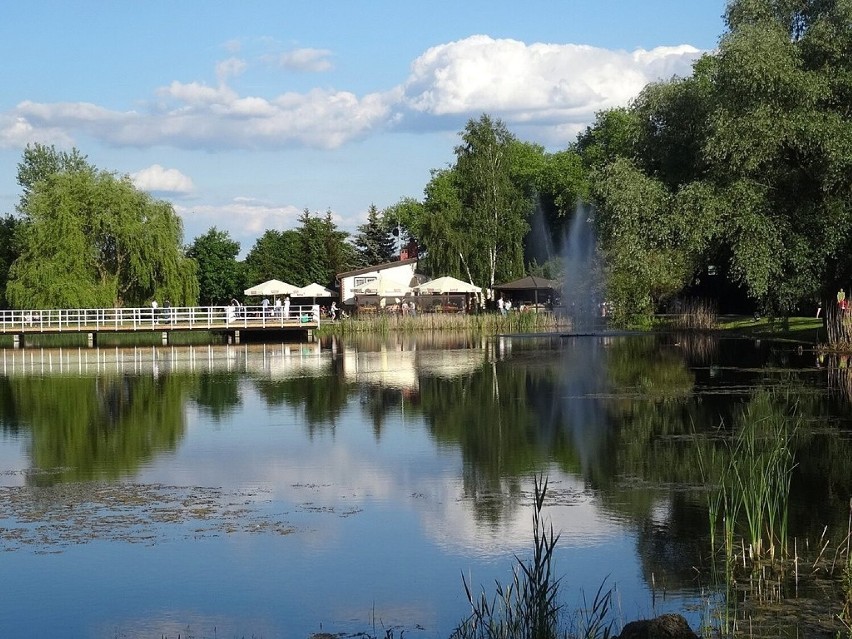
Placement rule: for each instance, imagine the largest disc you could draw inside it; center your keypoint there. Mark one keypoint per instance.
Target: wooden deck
(222, 319)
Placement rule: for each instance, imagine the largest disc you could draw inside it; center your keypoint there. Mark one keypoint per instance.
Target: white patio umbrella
(314, 290)
(271, 287)
(445, 285)
(383, 288)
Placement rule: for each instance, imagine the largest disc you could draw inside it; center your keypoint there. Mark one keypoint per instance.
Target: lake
(346, 486)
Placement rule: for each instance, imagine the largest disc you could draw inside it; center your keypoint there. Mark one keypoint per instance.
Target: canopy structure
(445, 285)
(271, 287)
(530, 285)
(313, 290)
(383, 288)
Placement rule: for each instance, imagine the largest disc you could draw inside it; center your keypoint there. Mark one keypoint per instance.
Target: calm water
(282, 490)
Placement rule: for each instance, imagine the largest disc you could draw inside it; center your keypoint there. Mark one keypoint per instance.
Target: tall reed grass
(480, 323)
(750, 483)
(696, 313)
(528, 607)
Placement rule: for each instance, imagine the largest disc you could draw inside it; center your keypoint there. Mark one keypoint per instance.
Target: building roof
(377, 267)
(528, 283)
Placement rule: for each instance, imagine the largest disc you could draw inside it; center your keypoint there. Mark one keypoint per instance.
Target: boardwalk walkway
(222, 319)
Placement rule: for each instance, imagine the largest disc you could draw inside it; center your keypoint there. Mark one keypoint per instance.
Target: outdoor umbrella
(446, 284)
(313, 290)
(271, 287)
(383, 288)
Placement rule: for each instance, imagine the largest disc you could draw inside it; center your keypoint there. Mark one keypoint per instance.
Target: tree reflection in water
(627, 416)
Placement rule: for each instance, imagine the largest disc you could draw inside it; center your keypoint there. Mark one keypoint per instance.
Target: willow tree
(91, 239)
(754, 153)
(780, 145)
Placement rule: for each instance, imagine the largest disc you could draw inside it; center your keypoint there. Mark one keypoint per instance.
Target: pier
(230, 321)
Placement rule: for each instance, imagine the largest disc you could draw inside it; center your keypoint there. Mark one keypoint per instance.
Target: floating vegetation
(50, 519)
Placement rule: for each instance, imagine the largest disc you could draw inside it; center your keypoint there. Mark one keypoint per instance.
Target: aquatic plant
(481, 323)
(751, 492)
(528, 607)
(696, 313)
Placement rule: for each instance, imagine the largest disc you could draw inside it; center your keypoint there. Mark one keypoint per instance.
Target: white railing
(147, 318)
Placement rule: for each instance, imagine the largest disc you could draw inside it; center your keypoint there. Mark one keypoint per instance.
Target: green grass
(808, 329)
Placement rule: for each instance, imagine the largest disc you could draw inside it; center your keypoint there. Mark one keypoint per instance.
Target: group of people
(504, 306)
(280, 309)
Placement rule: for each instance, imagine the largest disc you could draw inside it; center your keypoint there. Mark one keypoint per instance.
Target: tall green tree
(91, 239)
(275, 255)
(495, 209)
(324, 249)
(754, 154)
(9, 251)
(220, 276)
(375, 245)
(408, 215)
(443, 232)
(473, 219)
(780, 144)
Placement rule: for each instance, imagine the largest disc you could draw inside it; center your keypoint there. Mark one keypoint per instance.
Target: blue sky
(243, 114)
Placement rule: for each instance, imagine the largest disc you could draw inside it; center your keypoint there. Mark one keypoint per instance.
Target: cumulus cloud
(16, 132)
(312, 60)
(196, 115)
(550, 86)
(155, 178)
(551, 90)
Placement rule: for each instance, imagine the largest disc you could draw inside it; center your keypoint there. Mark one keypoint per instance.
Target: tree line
(739, 174)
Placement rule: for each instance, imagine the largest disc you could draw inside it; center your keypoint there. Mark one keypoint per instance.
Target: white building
(388, 276)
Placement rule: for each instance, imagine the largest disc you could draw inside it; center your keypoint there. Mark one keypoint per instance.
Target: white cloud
(230, 68)
(549, 90)
(16, 132)
(155, 178)
(196, 115)
(313, 60)
(543, 85)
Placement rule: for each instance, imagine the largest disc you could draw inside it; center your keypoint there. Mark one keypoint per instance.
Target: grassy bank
(802, 329)
(808, 329)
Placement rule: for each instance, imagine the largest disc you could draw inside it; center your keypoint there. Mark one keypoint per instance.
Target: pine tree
(375, 245)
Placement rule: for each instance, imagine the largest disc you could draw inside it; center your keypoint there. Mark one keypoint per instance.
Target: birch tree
(494, 208)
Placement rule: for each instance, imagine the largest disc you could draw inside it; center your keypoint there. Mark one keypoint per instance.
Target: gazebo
(530, 289)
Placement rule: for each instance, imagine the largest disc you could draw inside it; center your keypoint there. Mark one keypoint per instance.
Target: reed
(845, 615)
(751, 492)
(480, 323)
(527, 607)
(695, 313)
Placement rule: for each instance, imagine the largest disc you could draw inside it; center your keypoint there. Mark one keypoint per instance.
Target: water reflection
(378, 458)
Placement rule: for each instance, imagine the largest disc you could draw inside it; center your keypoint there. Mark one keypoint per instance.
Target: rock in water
(662, 627)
